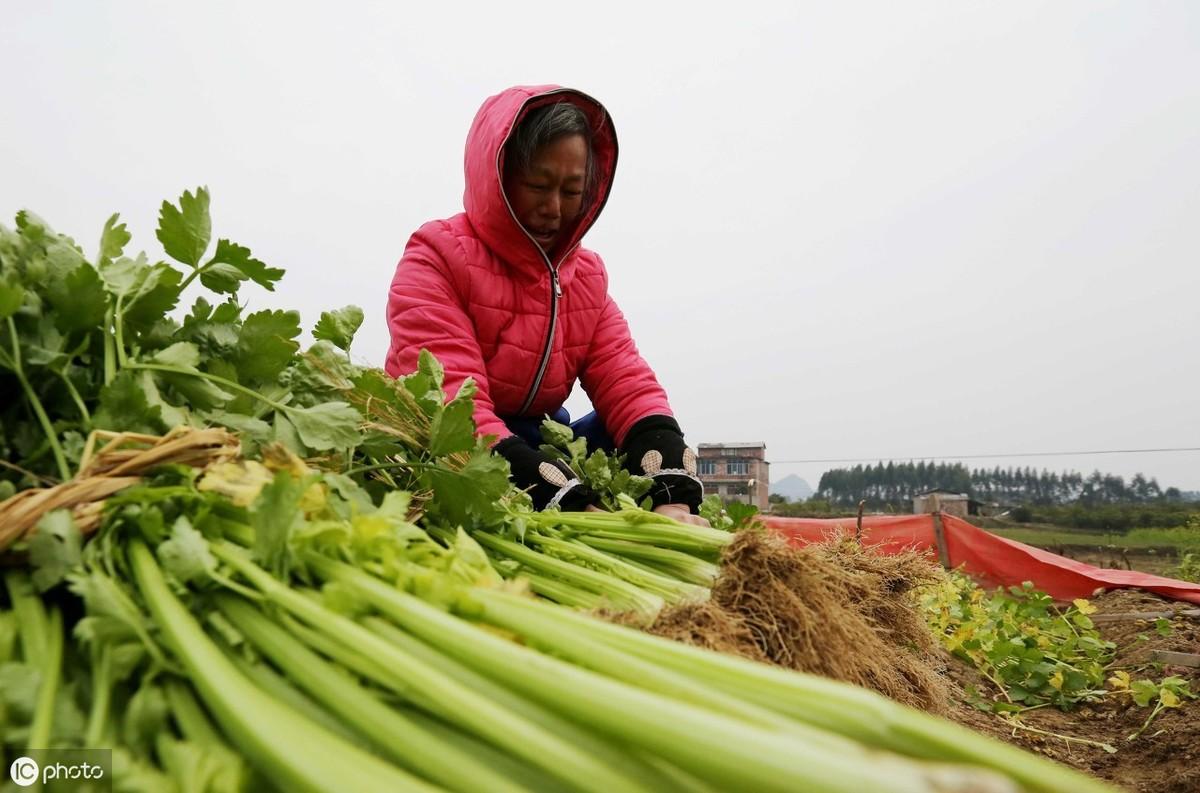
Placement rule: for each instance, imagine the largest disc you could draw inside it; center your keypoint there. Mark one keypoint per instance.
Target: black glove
(549, 482)
(654, 447)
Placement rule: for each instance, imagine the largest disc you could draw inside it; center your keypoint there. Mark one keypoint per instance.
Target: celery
(728, 751)
(102, 684)
(30, 613)
(638, 526)
(519, 774)
(291, 750)
(511, 614)
(8, 635)
(627, 759)
(189, 716)
(433, 690)
(562, 592)
(396, 736)
(621, 594)
(283, 690)
(679, 564)
(51, 672)
(193, 723)
(851, 711)
(670, 589)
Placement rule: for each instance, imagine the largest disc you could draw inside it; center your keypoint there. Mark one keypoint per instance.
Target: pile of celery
(303, 638)
(347, 606)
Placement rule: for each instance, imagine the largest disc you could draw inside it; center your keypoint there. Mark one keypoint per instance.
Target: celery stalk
(272, 682)
(518, 773)
(562, 592)
(625, 758)
(728, 751)
(638, 526)
(431, 689)
(854, 712)
(189, 716)
(586, 652)
(51, 671)
(621, 594)
(670, 589)
(292, 751)
(682, 565)
(398, 738)
(30, 613)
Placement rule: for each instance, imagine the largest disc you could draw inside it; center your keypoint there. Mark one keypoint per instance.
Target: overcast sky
(844, 229)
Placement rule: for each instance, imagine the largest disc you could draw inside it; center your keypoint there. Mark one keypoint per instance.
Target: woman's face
(548, 197)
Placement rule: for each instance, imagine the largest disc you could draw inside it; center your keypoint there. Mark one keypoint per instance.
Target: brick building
(735, 471)
(957, 504)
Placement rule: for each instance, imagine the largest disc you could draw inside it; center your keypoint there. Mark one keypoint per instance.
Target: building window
(736, 467)
(706, 467)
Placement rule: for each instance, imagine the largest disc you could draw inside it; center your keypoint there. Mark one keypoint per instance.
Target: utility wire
(989, 456)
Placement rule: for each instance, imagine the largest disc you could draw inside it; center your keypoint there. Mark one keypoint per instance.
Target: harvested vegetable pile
(333, 591)
(831, 608)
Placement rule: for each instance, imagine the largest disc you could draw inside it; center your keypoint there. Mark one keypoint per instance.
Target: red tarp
(992, 560)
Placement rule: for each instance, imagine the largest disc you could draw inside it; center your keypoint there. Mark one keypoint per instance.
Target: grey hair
(543, 126)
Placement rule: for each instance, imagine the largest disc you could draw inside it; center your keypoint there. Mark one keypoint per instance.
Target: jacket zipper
(555, 294)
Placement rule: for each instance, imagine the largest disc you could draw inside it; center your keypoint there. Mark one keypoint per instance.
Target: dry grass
(830, 608)
(118, 464)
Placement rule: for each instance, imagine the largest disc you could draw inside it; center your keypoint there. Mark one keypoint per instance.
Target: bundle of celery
(329, 642)
(627, 560)
(335, 623)
(88, 346)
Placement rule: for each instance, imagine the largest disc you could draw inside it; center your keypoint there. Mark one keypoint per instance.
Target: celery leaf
(275, 517)
(114, 238)
(125, 407)
(239, 259)
(338, 327)
(54, 549)
(186, 555)
(266, 345)
(186, 230)
(329, 425)
(453, 428)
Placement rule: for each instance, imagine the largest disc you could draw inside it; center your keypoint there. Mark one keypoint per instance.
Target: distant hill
(792, 487)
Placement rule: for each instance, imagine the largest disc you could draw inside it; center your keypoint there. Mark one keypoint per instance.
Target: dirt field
(1164, 759)
(1156, 563)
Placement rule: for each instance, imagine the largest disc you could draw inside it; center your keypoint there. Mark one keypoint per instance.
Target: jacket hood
(483, 198)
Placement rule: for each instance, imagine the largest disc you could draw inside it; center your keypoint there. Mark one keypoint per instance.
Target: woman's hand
(681, 513)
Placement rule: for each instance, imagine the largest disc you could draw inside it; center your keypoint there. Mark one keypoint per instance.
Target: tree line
(893, 485)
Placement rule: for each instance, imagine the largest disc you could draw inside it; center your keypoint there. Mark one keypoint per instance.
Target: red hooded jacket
(477, 291)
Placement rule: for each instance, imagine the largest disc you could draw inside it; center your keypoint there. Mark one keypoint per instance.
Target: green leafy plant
(604, 473)
(1038, 655)
(1189, 568)
(730, 516)
(1032, 651)
(1170, 692)
(91, 345)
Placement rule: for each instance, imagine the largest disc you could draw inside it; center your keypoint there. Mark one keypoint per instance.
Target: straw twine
(118, 464)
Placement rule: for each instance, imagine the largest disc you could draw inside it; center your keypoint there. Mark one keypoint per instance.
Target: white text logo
(24, 771)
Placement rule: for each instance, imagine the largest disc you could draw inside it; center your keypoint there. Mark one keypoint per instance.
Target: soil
(1164, 759)
(1144, 561)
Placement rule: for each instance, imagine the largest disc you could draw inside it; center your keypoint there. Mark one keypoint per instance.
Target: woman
(503, 293)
